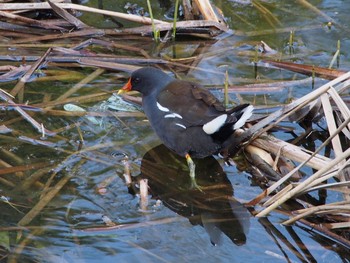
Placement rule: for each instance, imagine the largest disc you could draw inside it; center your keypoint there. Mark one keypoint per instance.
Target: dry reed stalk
(81, 84)
(52, 192)
(330, 186)
(67, 16)
(34, 6)
(343, 108)
(275, 31)
(267, 14)
(20, 85)
(332, 127)
(88, 32)
(313, 8)
(44, 201)
(108, 65)
(290, 151)
(94, 59)
(305, 184)
(329, 174)
(11, 160)
(337, 225)
(321, 72)
(14, 73)
(143, 194)
(280, 239)
(276, 117)
(81, 99)
(25, 115)
(278, 194)
(18, 249)
(34, 178)
(181, 25)
(207, 11)
(326, 92)
(29, 21)
(273, 187)
(319, 209)
(7, 183)
(22, 168)
(11, 156)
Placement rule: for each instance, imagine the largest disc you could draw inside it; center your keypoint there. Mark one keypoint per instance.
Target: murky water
(178, 224)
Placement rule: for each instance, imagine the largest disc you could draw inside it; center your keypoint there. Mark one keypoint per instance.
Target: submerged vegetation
(305, 179)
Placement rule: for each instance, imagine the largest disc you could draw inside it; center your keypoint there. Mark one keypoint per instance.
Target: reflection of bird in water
(215, 208)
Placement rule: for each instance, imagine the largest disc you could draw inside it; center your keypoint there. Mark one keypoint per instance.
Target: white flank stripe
(161, 108)
(173, 115)
(181, 125)
(246, 115)
(215, 124)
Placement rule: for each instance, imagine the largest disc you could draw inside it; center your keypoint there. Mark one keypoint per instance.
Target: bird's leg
(192, 168)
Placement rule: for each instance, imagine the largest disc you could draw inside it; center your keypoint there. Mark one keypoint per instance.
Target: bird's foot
(192, 168)
(194, 185)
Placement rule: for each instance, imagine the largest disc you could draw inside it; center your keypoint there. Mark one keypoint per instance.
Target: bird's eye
(136, 80)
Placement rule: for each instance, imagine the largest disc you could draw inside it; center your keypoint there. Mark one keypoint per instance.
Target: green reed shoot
(291, 41)
(335, 56)
(155, 31)
(175, 18)
(226, 89)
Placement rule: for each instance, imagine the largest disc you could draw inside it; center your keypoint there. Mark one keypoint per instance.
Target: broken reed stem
(290, 151)
(67, 16)
(343, 108)
(206, 10)
(143, 194)
(305, 184)
(326, 177)
(273, 187)
(332, 125)
(316, 209)
(20, 85)
(313, 95)
(277, 195)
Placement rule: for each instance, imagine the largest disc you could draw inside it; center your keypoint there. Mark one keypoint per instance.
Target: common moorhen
(189, 119)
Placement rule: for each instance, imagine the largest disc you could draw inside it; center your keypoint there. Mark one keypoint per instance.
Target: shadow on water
(215, 208)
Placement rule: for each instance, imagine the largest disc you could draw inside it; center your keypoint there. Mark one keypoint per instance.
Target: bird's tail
(242, 113)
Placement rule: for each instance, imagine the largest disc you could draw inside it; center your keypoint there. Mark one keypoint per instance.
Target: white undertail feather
(248, 111)
(215, 124)
(180, 125)
(173, 115)
(161, 108)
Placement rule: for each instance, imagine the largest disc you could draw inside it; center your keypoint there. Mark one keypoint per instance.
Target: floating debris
(73, 107)
(117, 103)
